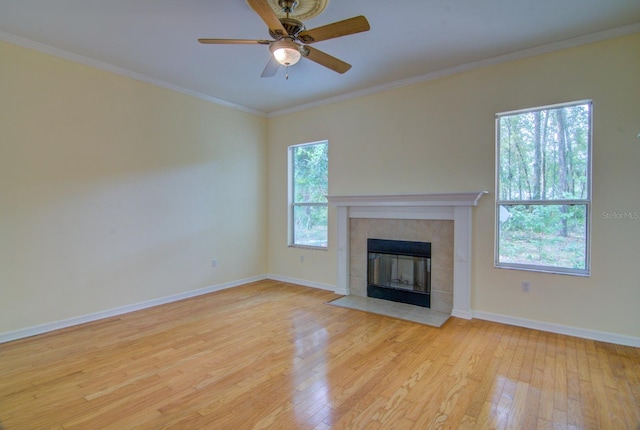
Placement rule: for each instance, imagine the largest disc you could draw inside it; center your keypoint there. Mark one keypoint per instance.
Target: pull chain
(286, 73)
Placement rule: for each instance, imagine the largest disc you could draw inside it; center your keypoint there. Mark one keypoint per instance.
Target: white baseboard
(56, 325)
(461, 314)
(619, 339)
(303, 282)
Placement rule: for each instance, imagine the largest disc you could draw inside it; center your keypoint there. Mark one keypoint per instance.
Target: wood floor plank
(517, 417)
(487, 371)
(560, 376)
(273, 355)
(547, 394)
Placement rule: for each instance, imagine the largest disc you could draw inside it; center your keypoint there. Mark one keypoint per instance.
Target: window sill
(318, 248)
(549, 270)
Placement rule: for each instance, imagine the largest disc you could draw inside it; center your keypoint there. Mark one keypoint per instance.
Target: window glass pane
(543, 235)
(310, 225)
(544, 154)
(310, 180)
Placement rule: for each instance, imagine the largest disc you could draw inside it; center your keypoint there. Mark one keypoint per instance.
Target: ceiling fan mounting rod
(288, 5)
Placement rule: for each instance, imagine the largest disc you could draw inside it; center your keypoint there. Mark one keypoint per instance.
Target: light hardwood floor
(274, 355)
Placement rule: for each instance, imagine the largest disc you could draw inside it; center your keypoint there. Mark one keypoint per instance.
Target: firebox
(399, 271)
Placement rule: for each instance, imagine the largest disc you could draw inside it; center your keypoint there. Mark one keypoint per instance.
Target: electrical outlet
(214, 263)
(526, 286)
(302, 258)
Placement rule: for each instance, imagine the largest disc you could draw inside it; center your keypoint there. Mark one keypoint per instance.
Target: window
(308, 188)
(543, 188)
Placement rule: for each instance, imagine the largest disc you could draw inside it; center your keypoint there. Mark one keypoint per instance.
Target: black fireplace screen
(399, 271)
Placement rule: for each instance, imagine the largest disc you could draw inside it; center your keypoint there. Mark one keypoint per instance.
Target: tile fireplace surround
(450, 206)
(439, 233)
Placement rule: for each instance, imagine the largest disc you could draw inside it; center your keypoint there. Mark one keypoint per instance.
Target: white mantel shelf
(437, 206)
(438, 199)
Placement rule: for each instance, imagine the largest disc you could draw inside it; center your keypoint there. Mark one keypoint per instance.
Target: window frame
(292, 204)
(587, 202)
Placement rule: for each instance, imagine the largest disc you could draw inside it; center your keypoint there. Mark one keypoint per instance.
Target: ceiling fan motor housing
(293, 27)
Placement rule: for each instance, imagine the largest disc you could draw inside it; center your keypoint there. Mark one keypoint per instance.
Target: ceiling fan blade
(270, 69)
(233, 42)
(326, 60)
(262, 8)
(353, 25)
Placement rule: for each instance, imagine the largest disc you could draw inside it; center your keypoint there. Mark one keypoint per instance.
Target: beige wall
(114, 191)
(438, 136)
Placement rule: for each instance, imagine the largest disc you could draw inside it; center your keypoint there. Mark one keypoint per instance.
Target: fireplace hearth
(399, 271)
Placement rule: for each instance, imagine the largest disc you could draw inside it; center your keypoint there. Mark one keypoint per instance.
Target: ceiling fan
(290, 37)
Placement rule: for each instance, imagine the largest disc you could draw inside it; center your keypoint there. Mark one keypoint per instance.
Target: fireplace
(399, 271)
(438, 206)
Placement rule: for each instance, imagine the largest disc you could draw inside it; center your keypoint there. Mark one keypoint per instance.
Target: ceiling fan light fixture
(286, 52)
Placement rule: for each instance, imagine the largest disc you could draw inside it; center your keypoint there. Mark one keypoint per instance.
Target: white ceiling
(409, 41)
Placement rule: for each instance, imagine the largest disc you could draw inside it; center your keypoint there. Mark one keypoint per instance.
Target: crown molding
(512, 56)
(101, 65)
(517, 55)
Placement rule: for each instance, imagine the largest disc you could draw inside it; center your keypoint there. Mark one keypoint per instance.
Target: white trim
(587, 203)
(69, 322)
(302, 282)
(602, 336)
(101, 65)
(343, 244)
(291, 201)
(546, 107)
(500, 59)
(487, 316)
(525, 53)
(400, 200)
(409, 212)
(466, 315)
(446, 206)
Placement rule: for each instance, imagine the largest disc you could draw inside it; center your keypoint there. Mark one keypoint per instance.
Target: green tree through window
(543, 188)
(308, 182)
